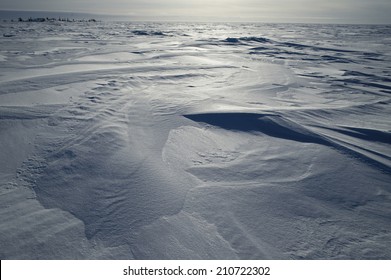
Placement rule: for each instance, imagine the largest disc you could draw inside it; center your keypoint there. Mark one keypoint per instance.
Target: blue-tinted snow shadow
(268, 124)
(280, 127)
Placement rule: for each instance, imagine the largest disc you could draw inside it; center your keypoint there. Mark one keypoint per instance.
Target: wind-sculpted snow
(127, 140)
(279, 127)
(272, 125)
(248, 39)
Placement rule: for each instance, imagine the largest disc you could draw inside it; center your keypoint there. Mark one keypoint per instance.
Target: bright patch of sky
(330, 11)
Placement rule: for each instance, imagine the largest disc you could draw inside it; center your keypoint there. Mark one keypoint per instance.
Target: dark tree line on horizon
(47, 19)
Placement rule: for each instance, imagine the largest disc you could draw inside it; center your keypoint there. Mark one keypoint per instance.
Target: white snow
(194, 141)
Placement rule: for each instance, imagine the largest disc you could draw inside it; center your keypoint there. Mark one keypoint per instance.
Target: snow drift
(194, 141)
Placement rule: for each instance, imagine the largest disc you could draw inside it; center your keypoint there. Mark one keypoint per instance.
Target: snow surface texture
(194, 141)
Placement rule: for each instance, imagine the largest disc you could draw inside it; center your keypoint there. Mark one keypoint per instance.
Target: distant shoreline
(47, 19)
(9, 15)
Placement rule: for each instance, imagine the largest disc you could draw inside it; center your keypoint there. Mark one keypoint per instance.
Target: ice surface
(127, 140)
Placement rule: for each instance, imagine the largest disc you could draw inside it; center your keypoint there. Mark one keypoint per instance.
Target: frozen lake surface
(127, 140)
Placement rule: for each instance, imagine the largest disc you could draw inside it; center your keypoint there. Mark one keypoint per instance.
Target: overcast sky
(332, 11)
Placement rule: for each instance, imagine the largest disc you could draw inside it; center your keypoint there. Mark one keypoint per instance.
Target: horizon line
(196, 19)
